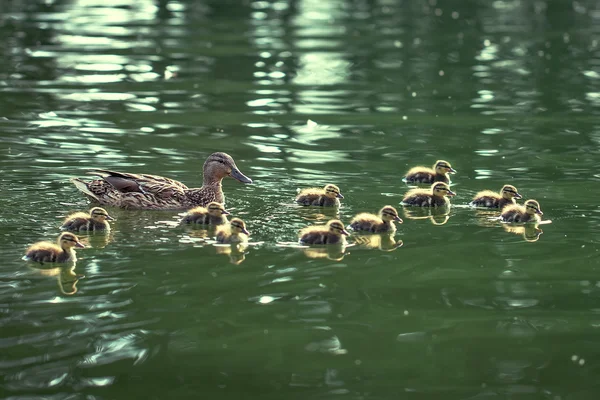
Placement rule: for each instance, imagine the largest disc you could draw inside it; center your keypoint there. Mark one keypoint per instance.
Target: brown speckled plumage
(213, 214)
(384, 222)
(332, 233)
(96, 220)
(434, 197)
(234, 232)
(528, 212)
(62, 252)
(490, 199)
(329, 196)
(152, 192)
(425, 175)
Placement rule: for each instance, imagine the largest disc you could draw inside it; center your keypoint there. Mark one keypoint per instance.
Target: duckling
(332, 233)
(213, 214)
(329, 196)
(434, 197)
(96, 220)
(49, 252)
(490, 199)
(235, 232)
(384, 222)
(529, 212)
(439, 173)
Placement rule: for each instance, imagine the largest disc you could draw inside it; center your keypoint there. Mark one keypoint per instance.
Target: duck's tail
(83, 186)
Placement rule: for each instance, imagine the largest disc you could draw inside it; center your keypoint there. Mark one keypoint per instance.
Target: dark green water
(507, 91)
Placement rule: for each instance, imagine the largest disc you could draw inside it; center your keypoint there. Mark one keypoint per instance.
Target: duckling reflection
(437, 216)
(235, 251)
(96, 241)
(383, 242)
(331, 252)
(66, 277)
(530, 232)
(329, 196)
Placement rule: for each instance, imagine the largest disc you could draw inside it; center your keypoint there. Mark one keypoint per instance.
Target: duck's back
(514, 213)
(369, 222)
(46, 252)
(423, 198)
(310, 196)
(487, 198)
(196, 215)
(76, 222)
(313, 235)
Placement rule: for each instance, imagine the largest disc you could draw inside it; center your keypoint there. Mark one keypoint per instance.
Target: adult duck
(153, 192)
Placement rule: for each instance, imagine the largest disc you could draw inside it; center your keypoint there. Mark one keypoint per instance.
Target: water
(302, 93)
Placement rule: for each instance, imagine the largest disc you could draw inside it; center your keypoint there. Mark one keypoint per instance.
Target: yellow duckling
(213, 214)
(439, 173)
(384, 222)
(49, 252)
(332, 233)
(434, 197)
(329, 196)
(529, 212)
(490, 199)
(96, 220)
(235, 232)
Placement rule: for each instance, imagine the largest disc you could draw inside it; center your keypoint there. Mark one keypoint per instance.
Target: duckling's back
(517, 213)
(423, 198)
(313, 235)
(369, 223)
(315, 197)
(197, 215)
(76, 222)
(45, 252)
(490, 199)
(424, 175)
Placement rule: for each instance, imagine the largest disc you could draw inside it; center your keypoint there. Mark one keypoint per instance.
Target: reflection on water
(304, 93)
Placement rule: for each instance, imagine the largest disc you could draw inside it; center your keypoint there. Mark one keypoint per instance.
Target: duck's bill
(109, 218)
(345, 232)
(451, 170)
(518, 196)
(339, 196)
(451, 193)
(245, 232)
(225, 212)
(80, 245)
(398, 219)
(539, 212)
(236, 174)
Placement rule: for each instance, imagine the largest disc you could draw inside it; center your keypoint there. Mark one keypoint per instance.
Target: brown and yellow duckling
(331, 233)
(384, 222)
(434, 197)
(61, 252)
(528, 212)
(234, 232)
(490, 199)
(153, 192)
(439, 173)
(213, 214)
(329, 196)
(96, 220)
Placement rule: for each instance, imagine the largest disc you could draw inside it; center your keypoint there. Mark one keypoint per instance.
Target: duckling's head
(100, 215)
(509, 192)
(67, 240)
(216, 209)
(441, 189)
(389, 213)
(238, 226)
(219, 165)
(533, 207)
(443, 167)
(333, 191)
(336, 227)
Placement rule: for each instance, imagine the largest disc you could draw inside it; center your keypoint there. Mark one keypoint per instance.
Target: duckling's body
(61, 252)
(528, 212)
(490, 199)
(331, 233)
(96, 220)
(213, 214)
(384, 222)
(329, 196)
(439, 173)
(434, 197)
(234, 232)
(152, 192)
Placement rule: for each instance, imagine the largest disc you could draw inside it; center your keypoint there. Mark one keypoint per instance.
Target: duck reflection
(377, 241)
(66, 277)
(330, 252)
(235, 251)
(98, 241)
(437, 216)
(530, 232)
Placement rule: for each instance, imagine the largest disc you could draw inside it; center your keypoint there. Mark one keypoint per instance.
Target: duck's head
(336, 227)
(216, 209)
(510, 192)
(333, 191)
(219, 165)
(100, 215)
(389, 213)
(68, 240)
(443, 167)
(441, 189)
(238, 226)
(533, 207)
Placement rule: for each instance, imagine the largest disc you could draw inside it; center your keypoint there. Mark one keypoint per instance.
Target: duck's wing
(141, 183)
